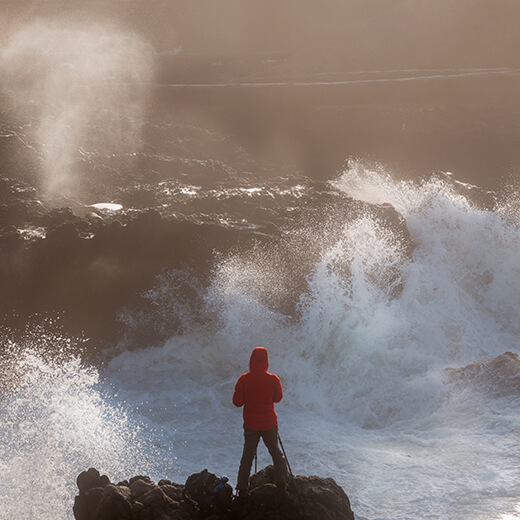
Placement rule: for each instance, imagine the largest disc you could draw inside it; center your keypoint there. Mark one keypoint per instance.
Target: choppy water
(387, 305)
(363, 360)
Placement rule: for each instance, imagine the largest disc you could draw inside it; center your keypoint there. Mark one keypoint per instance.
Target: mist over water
(60, 78)
(387, 295)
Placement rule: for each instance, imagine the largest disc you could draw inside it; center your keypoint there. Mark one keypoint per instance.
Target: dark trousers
(251, 439)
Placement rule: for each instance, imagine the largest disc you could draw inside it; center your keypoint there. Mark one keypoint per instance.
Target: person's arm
(277, 393)
(238, 396)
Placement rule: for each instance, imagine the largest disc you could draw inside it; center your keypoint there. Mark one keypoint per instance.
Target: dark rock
(157, 505)
(140, 198)
(15, 212)
(66, 232)
(146, 222)
(493, 377)
(87, 503)
(267, 497)
(141, 477)
(264, 476)
(303, 498)
(9, 236)
(207, 493)
(156, 496)
(116, 502)
(9, 229)
(87, 269)
(174, 491)
(91, 479)
(140, 487)
(322, 498)
(94, 218)
(59, 216)
(91, 489)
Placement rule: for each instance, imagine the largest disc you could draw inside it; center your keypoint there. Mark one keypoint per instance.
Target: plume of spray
(83, 91)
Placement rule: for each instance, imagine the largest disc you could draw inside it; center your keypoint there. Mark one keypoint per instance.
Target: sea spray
(456, 239)
(61, 77)
(377, 323)
(57, 418)
(363, 360)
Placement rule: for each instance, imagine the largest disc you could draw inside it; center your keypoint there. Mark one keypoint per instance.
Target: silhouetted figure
(257, 391)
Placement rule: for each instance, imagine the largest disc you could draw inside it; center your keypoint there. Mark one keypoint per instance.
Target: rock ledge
(205, 496)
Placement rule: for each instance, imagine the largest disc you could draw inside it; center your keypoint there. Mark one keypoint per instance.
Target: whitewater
(375, 393)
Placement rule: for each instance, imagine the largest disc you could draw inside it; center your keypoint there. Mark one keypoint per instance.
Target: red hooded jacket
(257, 391)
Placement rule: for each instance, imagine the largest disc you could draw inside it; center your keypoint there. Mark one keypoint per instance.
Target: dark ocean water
(361, 222)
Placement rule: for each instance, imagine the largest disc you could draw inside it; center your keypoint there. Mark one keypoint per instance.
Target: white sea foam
(367, 398)
(109, 207)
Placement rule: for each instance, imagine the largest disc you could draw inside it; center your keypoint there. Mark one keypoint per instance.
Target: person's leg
(270, 438)
(251, 438)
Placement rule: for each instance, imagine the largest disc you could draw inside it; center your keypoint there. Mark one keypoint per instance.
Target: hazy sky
(357, 33)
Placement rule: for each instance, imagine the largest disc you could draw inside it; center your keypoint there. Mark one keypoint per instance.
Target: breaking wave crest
(393, 348)
(377, 321)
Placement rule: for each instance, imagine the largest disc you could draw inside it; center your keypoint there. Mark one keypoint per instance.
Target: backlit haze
(339, 79)
(337, 180)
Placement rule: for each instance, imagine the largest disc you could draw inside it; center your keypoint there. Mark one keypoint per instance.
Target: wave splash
(57, 418)
(378, 322)
(388, 307)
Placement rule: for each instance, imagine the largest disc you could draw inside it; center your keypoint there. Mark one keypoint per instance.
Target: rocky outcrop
(493, 377)
(87, 268)
(205, 496)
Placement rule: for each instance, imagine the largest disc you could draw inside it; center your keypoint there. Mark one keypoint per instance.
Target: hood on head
(259, 360)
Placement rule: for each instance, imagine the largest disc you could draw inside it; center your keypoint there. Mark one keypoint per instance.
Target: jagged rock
(207, 493)
(174, 491)
(91, 487)
(58, 216)
(305, 498)
(91, 479)
(139, 198)
(116, 502)
(267, 497)
(155, 504)
(66, 232)
(264, 476)
(206, 497)
(495, 377)
(141, 487)
(322, 498)
(9, 236)
(94, 218)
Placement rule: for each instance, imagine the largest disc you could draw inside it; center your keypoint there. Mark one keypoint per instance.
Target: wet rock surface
(206, 496)
(492, 377)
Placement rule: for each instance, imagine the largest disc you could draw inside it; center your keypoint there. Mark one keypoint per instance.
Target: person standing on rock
(257, 391)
